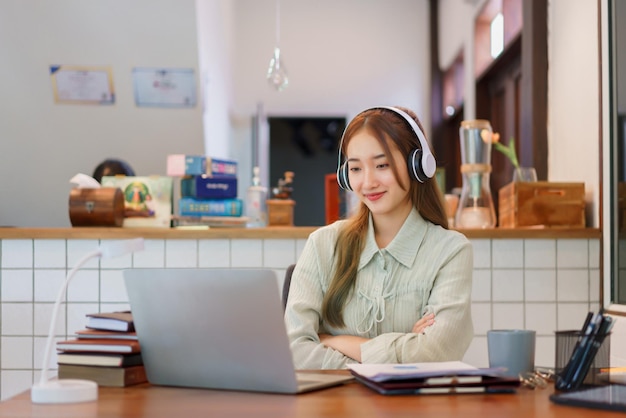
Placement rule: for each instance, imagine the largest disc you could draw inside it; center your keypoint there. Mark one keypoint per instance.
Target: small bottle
(256, 207)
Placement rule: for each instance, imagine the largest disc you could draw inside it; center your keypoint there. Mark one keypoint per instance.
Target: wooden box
(280, 212)
(542, 203)
(96, 207)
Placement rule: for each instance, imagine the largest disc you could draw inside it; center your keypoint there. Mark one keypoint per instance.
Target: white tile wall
(540, 284)
(508, 285)
(213, 253)
(17, 285)
(152, 256)
(481, 285)
(278, 253)
(507, 315)
(50, 253)
(79, 248)
(541, 317)
(572, 253)
(181, 253)
(539, 253)
(17, 253)
(47, 284)
(509, 253)
(246, 253)
(84, 287)
(482, 253)
(571, 315)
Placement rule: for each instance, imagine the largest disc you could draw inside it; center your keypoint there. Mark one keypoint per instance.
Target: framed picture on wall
(164, 87)
(82, 85)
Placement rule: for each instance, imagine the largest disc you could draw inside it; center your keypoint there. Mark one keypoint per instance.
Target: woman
(391, 284)
(112, 167)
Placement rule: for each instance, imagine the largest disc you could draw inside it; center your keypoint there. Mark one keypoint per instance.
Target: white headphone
(421, 162)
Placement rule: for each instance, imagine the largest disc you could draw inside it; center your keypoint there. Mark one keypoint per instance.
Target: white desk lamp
(75, 390)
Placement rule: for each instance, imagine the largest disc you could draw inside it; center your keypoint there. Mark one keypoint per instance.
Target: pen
(586, 323)
(565, 378)
(584, 328)
(590, 352)
(581, 367)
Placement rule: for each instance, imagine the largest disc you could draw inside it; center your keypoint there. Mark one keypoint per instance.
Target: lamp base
(64, 391)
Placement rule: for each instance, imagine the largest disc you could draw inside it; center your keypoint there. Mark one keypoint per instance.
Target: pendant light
(277, 73)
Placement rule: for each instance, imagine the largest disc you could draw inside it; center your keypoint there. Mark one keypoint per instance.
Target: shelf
(268, 233)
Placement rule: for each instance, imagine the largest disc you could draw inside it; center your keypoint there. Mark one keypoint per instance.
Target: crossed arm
(350, 345)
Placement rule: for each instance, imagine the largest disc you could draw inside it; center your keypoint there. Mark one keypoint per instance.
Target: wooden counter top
(349, 400)
(266, 233)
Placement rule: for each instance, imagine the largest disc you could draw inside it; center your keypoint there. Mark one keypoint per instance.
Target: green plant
(509, 150)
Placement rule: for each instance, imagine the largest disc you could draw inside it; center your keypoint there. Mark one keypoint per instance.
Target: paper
(77, 84)
(382, 372)
(164, 87)
(83, 181)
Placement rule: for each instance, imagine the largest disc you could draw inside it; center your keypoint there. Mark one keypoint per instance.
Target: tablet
(611, 397)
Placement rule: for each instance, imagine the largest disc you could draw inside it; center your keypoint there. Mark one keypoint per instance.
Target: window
(496, 35)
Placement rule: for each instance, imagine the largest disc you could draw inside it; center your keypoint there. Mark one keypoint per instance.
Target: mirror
(613, 67)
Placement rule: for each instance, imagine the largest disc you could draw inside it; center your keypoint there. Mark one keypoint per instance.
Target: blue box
(188, 206)
(180, 165)
(204, 187)
(221, 167)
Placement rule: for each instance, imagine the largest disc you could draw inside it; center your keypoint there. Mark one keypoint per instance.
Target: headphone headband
(421, 161)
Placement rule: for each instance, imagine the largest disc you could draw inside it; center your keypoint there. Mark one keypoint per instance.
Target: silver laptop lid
(211, 328)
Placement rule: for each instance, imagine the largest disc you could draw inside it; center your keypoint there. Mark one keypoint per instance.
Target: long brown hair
(391, 130)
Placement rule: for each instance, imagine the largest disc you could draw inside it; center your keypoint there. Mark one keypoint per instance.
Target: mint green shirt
(426, 268)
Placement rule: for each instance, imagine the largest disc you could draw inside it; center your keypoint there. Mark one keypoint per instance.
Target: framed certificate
(164, 87)
(78, 84)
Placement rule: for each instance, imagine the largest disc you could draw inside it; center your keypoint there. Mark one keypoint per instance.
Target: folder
(432, 378)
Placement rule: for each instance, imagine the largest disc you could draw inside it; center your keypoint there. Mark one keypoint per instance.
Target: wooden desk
(350, 400)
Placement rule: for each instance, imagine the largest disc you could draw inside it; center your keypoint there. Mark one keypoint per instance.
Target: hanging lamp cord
(277, 23)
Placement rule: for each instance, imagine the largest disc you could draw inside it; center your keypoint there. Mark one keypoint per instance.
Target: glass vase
(475, 208)
(524, 174)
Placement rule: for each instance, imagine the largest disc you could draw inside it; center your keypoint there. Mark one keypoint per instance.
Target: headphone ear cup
(415, 166)
(342, 177)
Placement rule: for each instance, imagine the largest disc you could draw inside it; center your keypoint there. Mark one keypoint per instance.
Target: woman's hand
(423, 323)
(348, 345)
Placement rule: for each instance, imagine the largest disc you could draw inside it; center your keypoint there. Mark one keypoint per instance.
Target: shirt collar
(403, 248)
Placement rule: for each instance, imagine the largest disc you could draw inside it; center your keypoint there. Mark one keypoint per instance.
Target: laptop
(216, 329)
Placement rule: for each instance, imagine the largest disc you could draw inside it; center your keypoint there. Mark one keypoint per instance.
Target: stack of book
(107, 352)
(208, 188)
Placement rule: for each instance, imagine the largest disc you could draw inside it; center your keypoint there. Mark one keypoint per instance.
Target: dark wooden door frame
(533, 102)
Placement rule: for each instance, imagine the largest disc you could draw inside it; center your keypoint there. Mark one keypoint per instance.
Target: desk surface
(350, 400)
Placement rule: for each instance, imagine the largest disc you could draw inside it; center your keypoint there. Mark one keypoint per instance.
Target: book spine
(189, 206)
(101, 360)
(179, 165)
(186, 165)
(218, 187)
(221, 167)
(135, 375)
(99, 346)
(105, 376)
